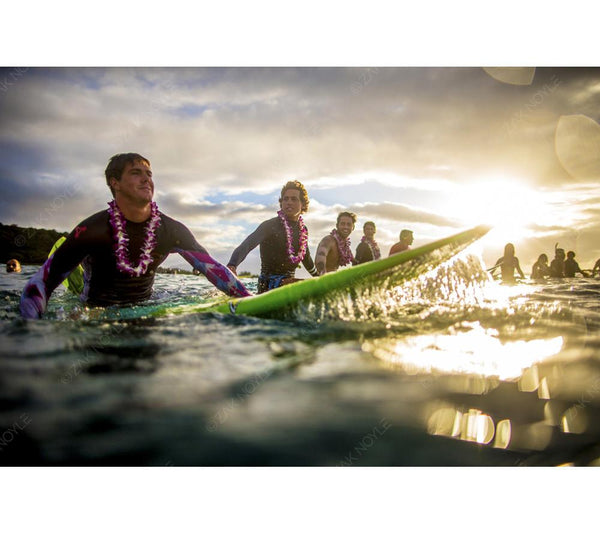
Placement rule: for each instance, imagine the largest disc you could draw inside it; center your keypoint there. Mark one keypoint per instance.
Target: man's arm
(37, 291)
(322, 252)
(199, 258)
(309, 264)
(216, 273)
(247, 245)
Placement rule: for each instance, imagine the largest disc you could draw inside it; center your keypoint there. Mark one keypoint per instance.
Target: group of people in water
(120, 248)
(562, 266)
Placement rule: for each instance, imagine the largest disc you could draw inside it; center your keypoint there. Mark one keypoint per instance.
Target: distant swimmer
(13, 266)
(557, 265)
(368, 249)
(121, 247)
(596, 267)
(334, 249)
(508, 263)
(283, 241)
(572, 267)
(540, 269)
(406, 240)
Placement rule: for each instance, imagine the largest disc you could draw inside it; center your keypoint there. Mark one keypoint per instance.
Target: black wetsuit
(571, 267)
(275, 262)
(92, 244)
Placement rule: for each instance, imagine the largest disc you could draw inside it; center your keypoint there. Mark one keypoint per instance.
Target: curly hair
(117, 163)
(295, 184)
(347, 214)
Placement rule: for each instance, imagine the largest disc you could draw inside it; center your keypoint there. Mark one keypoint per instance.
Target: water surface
(449, 369)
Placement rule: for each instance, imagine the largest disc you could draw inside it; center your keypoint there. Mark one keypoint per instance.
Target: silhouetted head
(509, 249)
(570, 254)
(406, 236)
(13, 266)
(560, 253)
(543, 258)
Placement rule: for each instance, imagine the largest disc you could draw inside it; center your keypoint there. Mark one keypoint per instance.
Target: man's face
(13, 266)
(408, 239)
(369, 231)
(345, 226)
(290, 204)
(135, 185)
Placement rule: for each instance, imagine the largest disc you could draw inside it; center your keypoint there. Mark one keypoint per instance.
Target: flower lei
(344, 248)
(117, 221)
(295, 258)
(373, 246)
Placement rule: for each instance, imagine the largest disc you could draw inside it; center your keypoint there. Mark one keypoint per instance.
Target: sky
(433, 149)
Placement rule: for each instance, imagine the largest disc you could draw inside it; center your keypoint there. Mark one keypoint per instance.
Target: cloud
(380, 141)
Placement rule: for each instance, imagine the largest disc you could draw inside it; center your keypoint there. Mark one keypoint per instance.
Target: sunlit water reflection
(448, 369)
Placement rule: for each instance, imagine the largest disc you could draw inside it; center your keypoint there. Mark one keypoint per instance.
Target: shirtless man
(120, 248)
(368, 249)
(334, 249)
(406, 240)
(283, 241)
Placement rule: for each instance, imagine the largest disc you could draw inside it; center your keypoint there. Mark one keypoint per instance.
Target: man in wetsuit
(120, 248)
(334, 249)
(406, 240)
(283, 241)
(367, 249)
(572, 267)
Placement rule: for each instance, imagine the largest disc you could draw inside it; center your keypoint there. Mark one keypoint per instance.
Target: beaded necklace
(118, 223)
(344, 248)
(303, 241)
(372, 244)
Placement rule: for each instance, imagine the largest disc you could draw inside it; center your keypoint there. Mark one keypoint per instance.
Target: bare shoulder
(326, 242)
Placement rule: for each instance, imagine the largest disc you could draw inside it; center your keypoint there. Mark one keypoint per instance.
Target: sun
(508, 205)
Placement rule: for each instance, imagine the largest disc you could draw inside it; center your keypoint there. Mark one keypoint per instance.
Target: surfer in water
(283, 241)
(572, 267)
(13, 266)
(406, 240)
(557, 265)
(334, 249)
(508, 264)
(368, 249)
(540, 268)
(120, 248)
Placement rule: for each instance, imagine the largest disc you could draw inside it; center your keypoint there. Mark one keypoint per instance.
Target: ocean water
(449, 369)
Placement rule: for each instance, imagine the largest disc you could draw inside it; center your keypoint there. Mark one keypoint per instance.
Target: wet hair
(543, 257)
(369, 223)
(295, 184)
(570, 254)
(404, 233)
(509, 249)
(346, 214)
(117, 164)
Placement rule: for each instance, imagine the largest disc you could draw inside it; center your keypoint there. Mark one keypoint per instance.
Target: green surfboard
(383, 273)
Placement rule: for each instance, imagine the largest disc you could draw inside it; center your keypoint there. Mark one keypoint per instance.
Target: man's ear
(113, 183)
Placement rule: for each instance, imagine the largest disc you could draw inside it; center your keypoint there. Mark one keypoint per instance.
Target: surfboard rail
(378, 271)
